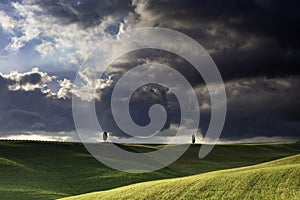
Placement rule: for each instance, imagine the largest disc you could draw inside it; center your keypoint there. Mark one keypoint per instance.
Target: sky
(254, 43)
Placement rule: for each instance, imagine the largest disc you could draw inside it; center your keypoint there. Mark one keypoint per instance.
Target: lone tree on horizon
(193, 139)
(105, 136)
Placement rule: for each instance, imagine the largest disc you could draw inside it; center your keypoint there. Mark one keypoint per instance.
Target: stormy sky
(255, 45)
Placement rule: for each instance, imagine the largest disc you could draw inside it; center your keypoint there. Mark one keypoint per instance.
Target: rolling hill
(48, 170)
(278, 179)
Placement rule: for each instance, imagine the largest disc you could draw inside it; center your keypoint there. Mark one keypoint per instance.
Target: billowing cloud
(28, 81)
(7, 23)
(92, 87)
(62, 30)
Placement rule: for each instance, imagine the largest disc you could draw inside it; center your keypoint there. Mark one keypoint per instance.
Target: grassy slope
(36, 170)
(272, 180)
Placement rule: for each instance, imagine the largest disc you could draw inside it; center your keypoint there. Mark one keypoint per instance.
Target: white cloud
(6, 22)
(70, 42)
(30, 26)
(144, 17)
(28, 81)
(91, 87)
(66, 87)
(45, 48)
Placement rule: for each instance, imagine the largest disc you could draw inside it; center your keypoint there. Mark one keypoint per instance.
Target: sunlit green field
(41, 170)
(278, 179)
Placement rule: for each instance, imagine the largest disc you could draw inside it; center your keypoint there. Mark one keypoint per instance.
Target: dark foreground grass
(272, 180)
(39, 170)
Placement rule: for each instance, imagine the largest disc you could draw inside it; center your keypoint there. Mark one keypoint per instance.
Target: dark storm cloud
(256, 107)
(22, 110)
(255, 45)
(248, 40)
(34, 78)
(245, 38)
(144, 56)
(87, 12)
(276, 19)
(263, 109)
(140, 103)
(260, 107)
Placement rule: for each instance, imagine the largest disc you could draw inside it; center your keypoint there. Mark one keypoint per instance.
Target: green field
(278, 179)
(42, 170)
